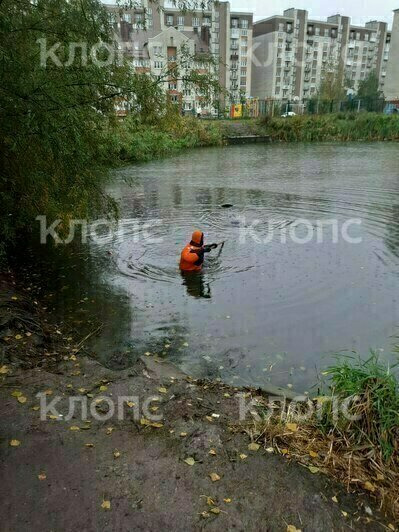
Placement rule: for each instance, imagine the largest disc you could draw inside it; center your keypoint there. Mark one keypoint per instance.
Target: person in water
(192, 256)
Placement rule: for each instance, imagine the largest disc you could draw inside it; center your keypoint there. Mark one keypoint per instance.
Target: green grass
(332, 127)
(132, 142)
(377, 407)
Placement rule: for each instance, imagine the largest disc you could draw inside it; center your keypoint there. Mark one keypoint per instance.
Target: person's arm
(208, 249)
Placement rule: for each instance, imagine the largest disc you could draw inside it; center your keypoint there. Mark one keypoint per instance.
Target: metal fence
(318, 106)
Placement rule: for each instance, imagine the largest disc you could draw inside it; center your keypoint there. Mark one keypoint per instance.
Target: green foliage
(369, 91)
(332, 84)
(376, 407)
(332, 127)
(133, 142)
(58, 130)
(52, 113)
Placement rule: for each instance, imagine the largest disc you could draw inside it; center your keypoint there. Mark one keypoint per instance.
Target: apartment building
(291, 53)
(391, 88)
(154, 38)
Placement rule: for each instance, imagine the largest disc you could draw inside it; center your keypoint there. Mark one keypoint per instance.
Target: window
(180, 21)
(196, 22)
(244, 63)
(244, 24)
(174, 98)
(172, 85)
(317, 31)
(281, 26)
(169, 20)
(243, 72)
(234, 22)
(206, 21)
(158, 64)
(127, 17)
(326, 34)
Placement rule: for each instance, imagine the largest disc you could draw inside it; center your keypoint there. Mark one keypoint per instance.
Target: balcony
(234, 57)
(235, 33)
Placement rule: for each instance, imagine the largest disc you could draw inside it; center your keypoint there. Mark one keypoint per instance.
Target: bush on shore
(332, 127)
(133, 142)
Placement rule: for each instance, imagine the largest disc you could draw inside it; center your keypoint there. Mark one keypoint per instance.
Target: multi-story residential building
(292, 53)
(391, 89)
(154, 39)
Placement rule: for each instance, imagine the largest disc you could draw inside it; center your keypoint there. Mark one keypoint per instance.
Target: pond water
(280, 300)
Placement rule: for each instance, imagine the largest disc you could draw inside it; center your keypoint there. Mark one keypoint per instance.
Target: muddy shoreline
(182, 461)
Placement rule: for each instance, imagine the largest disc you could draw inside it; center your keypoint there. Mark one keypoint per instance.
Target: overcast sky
(360, 11)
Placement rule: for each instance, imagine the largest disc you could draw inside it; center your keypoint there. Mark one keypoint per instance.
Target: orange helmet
(197, 239)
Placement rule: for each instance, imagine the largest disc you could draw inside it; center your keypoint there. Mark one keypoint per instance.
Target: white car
(286, 115)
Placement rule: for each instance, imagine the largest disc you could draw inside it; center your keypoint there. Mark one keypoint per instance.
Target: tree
(331, 86)
(369, 92)
(61, 73)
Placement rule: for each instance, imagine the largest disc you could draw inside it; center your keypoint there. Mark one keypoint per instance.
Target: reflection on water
(196, 285)
(262, 310)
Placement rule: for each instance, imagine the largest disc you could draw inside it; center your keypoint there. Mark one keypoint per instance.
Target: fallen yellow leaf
(109, 430)
(369, 486)
(313, 469)
(16, 393)
(292, 528)
(18, 337)
(36, 407)
(212, 452)
(89, 445)
(4, 370)
(183, 434)
(334, 499)
(42, 476)
(253, 446)
(227, 501)
(243, 456)
(162, 389)
(284, 451)
(189, 461)
(130, 404)
(345, 514)
(293, 427)
(21, 399)
(148, 423)
(215, 511)
(214, 477)
(15, 443)
(313, 454)
(103, 388)
(74, 428)
(106, 505)
(117, 454)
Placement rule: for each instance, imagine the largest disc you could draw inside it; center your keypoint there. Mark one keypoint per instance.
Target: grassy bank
(132, 142)
(357, 442)
(334, 127)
